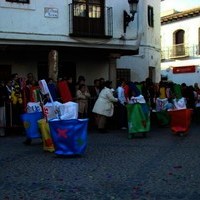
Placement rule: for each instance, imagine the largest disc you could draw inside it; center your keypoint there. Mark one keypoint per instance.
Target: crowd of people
(100, 102)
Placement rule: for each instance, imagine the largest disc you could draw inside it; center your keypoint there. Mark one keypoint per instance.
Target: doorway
(5, 72)
(152, 73)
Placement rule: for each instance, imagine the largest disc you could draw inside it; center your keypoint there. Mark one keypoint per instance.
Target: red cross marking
(62, 133)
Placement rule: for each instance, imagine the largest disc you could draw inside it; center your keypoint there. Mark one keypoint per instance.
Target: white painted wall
(28, 22)
(191, 27)
(188, 78)
(149, 41)
(88, 68)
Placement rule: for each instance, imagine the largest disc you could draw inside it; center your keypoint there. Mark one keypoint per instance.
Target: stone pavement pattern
(159, 167)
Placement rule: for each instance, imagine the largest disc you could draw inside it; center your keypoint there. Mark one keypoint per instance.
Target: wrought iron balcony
(90, 22)
(198, 49)
(180, 51)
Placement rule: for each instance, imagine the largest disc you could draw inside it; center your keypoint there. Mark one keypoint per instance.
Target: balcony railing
(198, 49)
(180, 51)
(95, 24)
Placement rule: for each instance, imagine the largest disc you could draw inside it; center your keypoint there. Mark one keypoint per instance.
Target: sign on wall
(185, 69)
(51, 12)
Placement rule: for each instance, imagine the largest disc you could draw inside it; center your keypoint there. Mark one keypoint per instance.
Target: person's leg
(2, 121)
(122, 117)
(125, 118)
(102, 123)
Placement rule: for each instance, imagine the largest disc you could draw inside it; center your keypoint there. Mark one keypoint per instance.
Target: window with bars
(124, 73)
(18, 1)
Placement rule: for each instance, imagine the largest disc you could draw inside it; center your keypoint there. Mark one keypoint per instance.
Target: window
(123, 73)
(80, 10)
(94, 11)
(88, 18)
(94, 8)
(179, 44)
(89, 8)
(179, 37)
(19, 1)
(152, 73)
(19, 4)
(150, 16)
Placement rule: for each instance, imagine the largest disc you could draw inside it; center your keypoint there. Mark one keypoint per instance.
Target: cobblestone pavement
(161, 166)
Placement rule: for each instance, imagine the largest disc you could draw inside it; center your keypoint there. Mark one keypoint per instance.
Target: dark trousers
(122, 116)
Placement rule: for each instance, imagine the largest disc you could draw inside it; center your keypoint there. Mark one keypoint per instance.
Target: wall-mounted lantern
(133, 9)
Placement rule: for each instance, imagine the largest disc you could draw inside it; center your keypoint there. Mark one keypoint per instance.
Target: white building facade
(180, 41)
(88, 36)
(147, 62)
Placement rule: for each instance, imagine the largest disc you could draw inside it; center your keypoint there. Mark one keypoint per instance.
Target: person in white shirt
(122, 112)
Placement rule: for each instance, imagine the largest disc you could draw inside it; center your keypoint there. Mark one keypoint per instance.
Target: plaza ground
(161, 166)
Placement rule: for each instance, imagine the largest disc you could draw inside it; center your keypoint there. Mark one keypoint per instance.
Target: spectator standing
(122, 112)
(82, 96)
(30, 77)
(196, 88)
(64, 91)
(2, 110)
(126, 91)
(95, 89)
(188, 94)
(101, 83)
(71, 86)
(94, 92)
(81, 81)
(52, 89)
(8, 91)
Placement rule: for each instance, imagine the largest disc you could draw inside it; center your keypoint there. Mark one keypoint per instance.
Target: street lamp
(133, 9)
